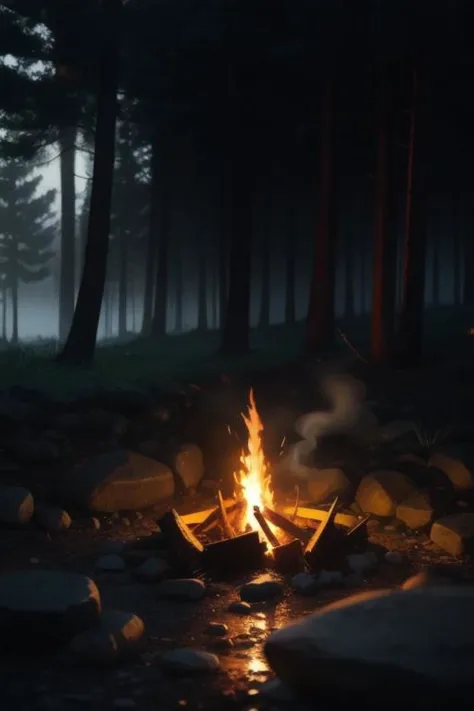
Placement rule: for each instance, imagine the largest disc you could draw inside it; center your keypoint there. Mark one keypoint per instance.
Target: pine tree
(27, 231)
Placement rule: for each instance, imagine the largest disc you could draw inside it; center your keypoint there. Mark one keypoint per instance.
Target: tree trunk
(223, 251)
(290, 259)
(80, 345)
(409, 337)
(178, 275)
(264, 315)
(349, 277)
(14, 297)
(153, 228)
(123, 284)
(456, 242)
(468, 282)
(203, 271)
(320, 320)
(4, 313)
(160, 310)
(236, 331)
(383, 301)
(435, 243)
(67, 294)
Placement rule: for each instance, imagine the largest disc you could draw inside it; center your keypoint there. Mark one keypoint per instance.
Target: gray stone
(457, 462)
(455, 533)
(116, 637)
(380, 493)
(217, 629)
(42, 607)
(362, 562)
(120, 481)
(151, 570)
(330, 578)
(190, 661)
(52, 518)
(240, 608)
(394, 557)
(324, 484)
(304, 584)
(189, 464)
(185, 589)
(262, 588)
(16, 505)
(110, 563)
(380, 638)
(112, 546)
(275, 690)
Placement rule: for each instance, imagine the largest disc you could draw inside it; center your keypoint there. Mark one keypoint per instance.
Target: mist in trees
(247, 165)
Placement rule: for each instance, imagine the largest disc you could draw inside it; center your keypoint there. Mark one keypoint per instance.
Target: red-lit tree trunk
(383, 299)
(409, 336)
(80, 345)
(320, 320)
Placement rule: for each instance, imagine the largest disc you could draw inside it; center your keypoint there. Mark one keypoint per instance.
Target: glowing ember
(253, 480)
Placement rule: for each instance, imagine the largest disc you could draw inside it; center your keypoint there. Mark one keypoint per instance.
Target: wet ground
(61, 683)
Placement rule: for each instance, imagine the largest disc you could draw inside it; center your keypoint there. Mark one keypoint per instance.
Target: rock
(217, 629)
(416, 511)
(457, 462)
(151, 570)
(380, 493)
(16, 505)
(112, 546)
(330, 578)
(116, 637)
(455, 533)
(42, 607)
(240, 608)
(275, 690)
(35, 450)
(304, 584)
(52, 518)
(324, 484)
(120, 481)
(110, 563)
(394, 557)
(185, 589)
(362, 562)
(262, 588)
(190, 661)
(380, 640)
(188, 462)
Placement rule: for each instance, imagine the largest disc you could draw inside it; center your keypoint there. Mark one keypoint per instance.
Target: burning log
(227, 528)
(286, 525)
(325, 543)
(259, 517)
(198, 517)
(311, 513)
(289, 557)
(244, 552)
(185, 549)
(212, 516)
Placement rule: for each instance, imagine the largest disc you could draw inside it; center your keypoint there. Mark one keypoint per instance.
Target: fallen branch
(347, 520)
(286, 525)
(227, 528)
(259, 517)
(325, 541)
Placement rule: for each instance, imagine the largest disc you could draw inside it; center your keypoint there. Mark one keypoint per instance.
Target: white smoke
(346, 397)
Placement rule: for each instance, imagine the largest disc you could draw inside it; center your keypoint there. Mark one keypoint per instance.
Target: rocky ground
(85, 481)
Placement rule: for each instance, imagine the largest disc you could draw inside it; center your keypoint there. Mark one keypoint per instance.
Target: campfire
(252, 530)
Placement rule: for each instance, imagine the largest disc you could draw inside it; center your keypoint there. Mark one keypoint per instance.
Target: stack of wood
(297, 546)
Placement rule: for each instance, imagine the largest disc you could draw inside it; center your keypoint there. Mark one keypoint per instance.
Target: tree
(27, 231)
(80, 345)
(67, 274)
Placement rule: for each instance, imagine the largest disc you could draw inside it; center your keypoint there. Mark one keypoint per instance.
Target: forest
(251, 165)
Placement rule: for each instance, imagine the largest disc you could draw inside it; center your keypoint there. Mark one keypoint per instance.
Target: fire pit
(251, 531)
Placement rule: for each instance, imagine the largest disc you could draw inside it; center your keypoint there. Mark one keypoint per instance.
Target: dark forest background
(298, 165)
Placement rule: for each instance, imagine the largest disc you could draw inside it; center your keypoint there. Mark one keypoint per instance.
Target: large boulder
(120, 481)
(379, 640)
(116, 637)
(188, 462)
(324, 484)
(380, 493)
(457, 462)
(455, 533)
(416, 511)
(43, 608)
(17, 505)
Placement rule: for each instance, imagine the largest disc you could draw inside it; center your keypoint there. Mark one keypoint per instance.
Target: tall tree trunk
(409, 337)
(236, 331)
(290, 266)
(178, 277)
(223, 249)
(67, 274)
(152, 243)
(4, 313)
(468, 281)
(162, 237)
(348, 276)
(203, 273)
(456, 242)
(320, 320)
(123, 284)
(264, 315)
(80, 345)
(14, 297)
(383, 301)
(435, 243)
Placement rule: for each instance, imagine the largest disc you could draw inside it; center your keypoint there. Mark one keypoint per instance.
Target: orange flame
(253, 480)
